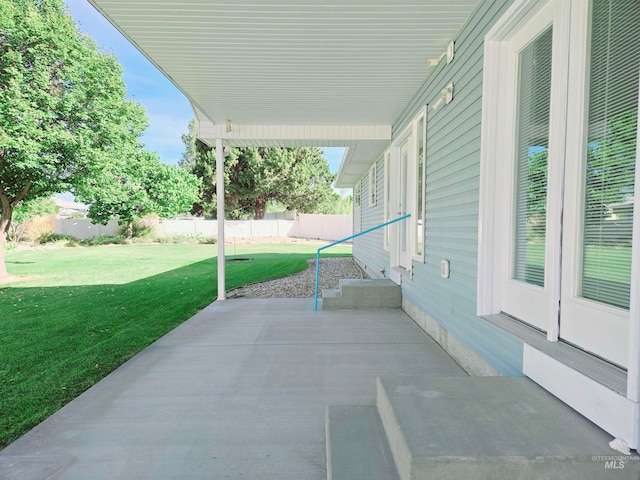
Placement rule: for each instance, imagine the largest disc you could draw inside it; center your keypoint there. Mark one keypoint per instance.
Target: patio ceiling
(294, 72)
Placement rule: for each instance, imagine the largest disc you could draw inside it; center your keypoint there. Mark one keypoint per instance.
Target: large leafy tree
(64, 115)
(298, 178)
(139, 186)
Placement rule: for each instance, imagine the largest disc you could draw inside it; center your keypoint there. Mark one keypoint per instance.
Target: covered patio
(293, 73)
(238, 391)
(270, 389)
(241, 391)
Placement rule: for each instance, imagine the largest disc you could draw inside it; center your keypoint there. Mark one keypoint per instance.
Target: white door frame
(401, 203)
(619, 414)
(563, 191)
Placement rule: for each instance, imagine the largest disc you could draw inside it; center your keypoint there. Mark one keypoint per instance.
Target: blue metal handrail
(315, 297)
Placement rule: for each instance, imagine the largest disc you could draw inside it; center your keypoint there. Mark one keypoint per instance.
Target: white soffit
(293, 62)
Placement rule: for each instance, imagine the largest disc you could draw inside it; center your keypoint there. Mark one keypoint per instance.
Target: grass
(594, 254)
(85, 311)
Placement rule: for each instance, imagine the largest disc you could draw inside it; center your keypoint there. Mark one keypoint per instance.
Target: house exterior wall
(369, 248)
(452, 203)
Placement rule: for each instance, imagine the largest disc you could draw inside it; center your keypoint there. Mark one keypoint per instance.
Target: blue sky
(168, 110)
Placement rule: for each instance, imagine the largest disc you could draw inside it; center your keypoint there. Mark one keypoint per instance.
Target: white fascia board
(343, 179)
(332, 133)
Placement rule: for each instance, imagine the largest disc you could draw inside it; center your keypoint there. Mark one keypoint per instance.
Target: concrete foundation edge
(470, 361)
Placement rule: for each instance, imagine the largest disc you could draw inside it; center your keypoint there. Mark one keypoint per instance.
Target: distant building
(69, 209)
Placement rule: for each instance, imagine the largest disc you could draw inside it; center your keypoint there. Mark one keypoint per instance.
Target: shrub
(104, 240)
(139, 229)
(51, 237)
(145, 240)
(187, 238)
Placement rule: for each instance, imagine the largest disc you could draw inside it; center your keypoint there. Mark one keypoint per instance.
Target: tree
(337, 205)
(139, 186)
(200, 160)
(610, 179)
(611, 163)
(25, 212)
(63, 109)
(299, 178)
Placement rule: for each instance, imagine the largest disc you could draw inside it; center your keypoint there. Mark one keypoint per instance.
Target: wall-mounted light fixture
(227, 126)
(450, 53)
(446, 96)
(433, 62)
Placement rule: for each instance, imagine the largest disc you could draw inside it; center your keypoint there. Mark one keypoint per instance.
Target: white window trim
(416, 135)
(406, 260)
(411, 130)
(496, 167)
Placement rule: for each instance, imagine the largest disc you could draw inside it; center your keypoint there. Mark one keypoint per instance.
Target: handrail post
(315, 295)
(338, 242)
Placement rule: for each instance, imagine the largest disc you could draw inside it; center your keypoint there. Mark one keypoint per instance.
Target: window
(405, 194)
(373, 174)
(357, 207)
(387, 196)
(532, 151)
(419, 226)
(558, 170)
(611, 152)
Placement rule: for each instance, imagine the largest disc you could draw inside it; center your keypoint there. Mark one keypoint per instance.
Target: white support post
(220, 211)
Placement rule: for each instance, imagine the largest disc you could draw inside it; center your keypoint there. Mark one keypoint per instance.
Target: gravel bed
(302, 285)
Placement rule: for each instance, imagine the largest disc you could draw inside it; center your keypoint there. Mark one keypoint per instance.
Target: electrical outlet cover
(444, 268)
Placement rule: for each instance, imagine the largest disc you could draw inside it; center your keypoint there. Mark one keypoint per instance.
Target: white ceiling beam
(346, 133)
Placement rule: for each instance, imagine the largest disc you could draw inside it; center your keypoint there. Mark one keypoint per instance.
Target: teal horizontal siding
(369, 248)
(452, 198)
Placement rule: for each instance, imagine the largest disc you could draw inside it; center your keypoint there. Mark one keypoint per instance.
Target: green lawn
(606, 274)
(620, 255)
(88, 310)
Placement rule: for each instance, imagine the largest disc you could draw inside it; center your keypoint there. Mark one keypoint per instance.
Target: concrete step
(491, 428)
(357, 448)
(362, 294)
(330, 293)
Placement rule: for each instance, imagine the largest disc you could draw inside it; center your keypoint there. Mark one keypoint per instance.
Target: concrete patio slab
(238, 391)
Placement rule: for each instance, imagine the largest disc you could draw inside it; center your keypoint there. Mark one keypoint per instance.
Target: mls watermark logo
(614, 462)
(614, 465)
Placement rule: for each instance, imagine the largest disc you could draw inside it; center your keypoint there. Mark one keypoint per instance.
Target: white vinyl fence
(322, 227)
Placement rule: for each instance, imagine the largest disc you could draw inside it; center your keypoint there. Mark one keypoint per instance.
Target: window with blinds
(373, 185)
(534, 98)
(611, 151)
